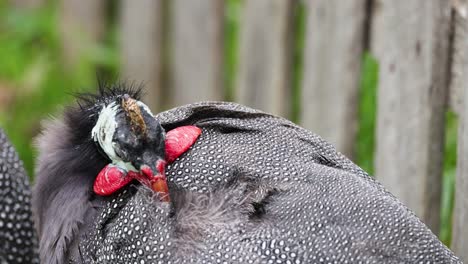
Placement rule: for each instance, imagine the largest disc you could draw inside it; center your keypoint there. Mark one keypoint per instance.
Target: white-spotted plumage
(18, 239)
(324, 208)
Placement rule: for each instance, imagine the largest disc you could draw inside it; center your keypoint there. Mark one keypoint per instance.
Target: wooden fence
(177, 48)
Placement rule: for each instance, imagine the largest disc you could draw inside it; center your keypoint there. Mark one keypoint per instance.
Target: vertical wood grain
(332, 66)
(459, 82)
(197, 47)
(411, 42)
(140, 42)
(264, 73)
(459, 55)
(82, 24)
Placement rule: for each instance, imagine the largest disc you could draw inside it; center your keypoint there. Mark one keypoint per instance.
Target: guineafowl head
(127, 134)
(98, 146)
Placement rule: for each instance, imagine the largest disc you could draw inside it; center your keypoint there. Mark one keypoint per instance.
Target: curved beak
(154, 177)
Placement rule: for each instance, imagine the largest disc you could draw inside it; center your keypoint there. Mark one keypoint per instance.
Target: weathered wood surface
(411, 42)
(264, 70)
(82, 24)
(458, 77)
(459, 82)
(141, 42)
(332, 66)
(197, 47)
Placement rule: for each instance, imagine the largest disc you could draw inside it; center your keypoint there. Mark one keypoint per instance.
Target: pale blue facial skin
(103, 133)
(69, 161)
(124, 147)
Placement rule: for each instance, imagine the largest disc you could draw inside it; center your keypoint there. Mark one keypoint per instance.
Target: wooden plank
(411, 42)
(459, 82)
(455, 99)
(141, 45)
(458, 76)
(264, 71)
(197, 48)
(82, 24)
(332, 66)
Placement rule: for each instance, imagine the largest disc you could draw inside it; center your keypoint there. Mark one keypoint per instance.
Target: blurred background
(314, 62)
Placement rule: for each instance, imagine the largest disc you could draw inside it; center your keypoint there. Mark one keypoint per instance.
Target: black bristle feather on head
(83, 117)
(68, 162)
(92, 102)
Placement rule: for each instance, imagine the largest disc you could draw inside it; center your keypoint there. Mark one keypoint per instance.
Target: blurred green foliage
(33, 79)
(448, 181)
(231, 46)
(34, 82)
(365, 142)
(299, 24)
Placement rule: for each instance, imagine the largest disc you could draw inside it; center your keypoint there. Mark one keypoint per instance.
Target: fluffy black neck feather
(68, 162)
(83, 117)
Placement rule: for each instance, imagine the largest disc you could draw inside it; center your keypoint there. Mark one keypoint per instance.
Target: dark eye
(121, 152)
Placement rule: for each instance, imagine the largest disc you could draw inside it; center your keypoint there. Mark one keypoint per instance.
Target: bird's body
(17, 237)
(259, 189)
(253, 188)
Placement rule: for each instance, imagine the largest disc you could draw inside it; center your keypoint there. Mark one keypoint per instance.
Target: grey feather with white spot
(258, 189)
(17, 237)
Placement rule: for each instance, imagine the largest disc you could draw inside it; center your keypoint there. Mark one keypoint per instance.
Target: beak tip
(160, 187)
(157, 183)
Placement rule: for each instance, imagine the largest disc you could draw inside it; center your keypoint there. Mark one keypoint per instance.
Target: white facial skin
(103, 133)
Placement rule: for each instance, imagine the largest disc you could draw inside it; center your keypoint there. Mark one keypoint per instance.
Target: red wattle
(158, 182)
(109, 180)
(179, 140)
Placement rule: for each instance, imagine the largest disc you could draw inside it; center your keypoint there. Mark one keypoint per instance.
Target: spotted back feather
(18, 242)
(303, 202)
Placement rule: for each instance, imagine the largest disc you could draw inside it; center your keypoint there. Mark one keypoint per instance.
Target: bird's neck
(63, 190)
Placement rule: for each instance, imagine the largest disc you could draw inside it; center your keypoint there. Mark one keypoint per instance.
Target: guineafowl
(210, 182)
(18, 242)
